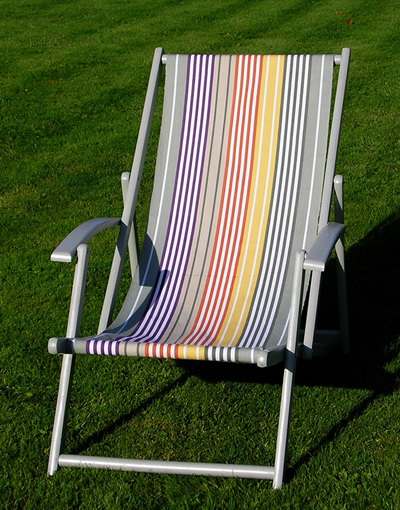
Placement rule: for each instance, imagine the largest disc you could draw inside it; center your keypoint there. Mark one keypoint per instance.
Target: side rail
(75, 245)
(132, 191)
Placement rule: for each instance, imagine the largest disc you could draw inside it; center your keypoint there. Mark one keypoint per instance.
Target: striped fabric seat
(237, 192)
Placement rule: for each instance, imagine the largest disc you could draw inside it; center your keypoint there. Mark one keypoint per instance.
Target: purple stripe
(179, 182)
(145, 319)
(190, 188)
(182, 262)
(187, 162)
(194, 200)
(184, 192)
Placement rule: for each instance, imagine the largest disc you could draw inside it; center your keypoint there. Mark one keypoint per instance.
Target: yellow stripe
(191, 352)
(259, 203)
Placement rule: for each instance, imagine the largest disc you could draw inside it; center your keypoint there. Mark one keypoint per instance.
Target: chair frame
(330, 236)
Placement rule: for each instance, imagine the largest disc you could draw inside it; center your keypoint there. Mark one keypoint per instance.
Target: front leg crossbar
(168, 467)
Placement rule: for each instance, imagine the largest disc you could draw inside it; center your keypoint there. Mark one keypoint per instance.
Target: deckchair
(238, 233)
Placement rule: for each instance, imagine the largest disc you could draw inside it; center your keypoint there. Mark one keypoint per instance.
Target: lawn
(73, 76)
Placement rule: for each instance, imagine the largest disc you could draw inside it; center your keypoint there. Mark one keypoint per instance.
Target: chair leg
(340, 267)
(67, 369)
(309, 331)
(284, 419)
(289, 373)
(342, 296)
(60, 420)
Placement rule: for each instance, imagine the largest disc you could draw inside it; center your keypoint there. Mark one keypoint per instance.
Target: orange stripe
(231, 228)
(225, 182)
(240, 143)
(172, 350)
(244, 140)
(246, 202)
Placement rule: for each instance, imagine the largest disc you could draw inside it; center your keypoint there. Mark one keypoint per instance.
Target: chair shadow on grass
(373, 273)
(98, 436)
(373, 279)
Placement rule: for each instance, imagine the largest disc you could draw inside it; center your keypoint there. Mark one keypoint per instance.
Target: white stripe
(91, 347)
(114, 346)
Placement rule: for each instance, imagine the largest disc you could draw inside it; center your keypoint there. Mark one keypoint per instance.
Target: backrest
(237, 191)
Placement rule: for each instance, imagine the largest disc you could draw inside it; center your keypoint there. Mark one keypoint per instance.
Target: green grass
(73, 77)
